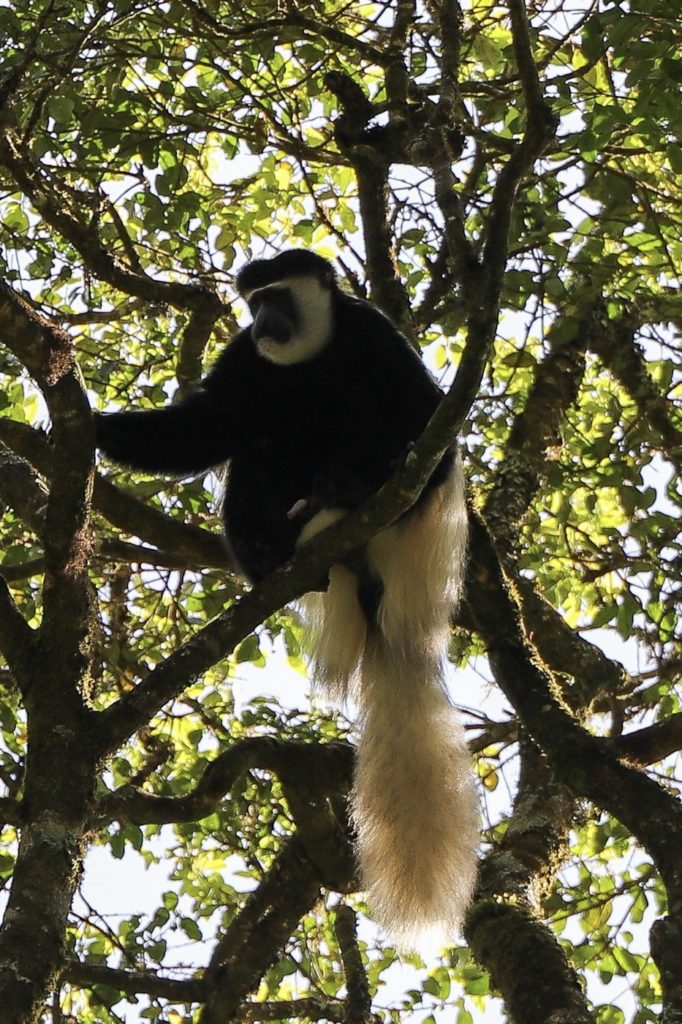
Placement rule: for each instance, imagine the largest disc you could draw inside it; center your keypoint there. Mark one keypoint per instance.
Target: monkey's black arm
(180, 439)
(195, 434)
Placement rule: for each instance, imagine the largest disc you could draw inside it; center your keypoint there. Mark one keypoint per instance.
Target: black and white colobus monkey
(313, 407)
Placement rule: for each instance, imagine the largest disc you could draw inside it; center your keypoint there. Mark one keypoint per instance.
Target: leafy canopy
(509, 192)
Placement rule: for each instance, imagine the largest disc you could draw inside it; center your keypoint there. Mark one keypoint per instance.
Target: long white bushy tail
(413, 801)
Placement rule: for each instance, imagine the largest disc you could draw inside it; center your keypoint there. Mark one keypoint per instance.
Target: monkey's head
(291, 301)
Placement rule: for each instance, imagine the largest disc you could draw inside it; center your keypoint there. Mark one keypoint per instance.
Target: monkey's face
(292, 319)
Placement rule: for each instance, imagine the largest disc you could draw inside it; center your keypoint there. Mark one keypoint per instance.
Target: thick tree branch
(22, 490)
(481, 281)
(536, 107)
(541, 125)
(191, 990)
(462, 255)
(370, 152)
(653, 743)
(195, 337)
(450, 20)
(133, 983)
(618, 349)
(23, 570)
(251, 943)
(47, 352)
(194, 545)
(596, 679)
(526, 963)
(57, 786)
(112, 550)
(564, 650)
(11, 812)
(536, 429)
(292, 1009)
(440, 296)
(311, 775)
(534, 432)
(585, 763)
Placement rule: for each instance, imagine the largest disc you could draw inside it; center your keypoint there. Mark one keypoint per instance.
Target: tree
(503, 181)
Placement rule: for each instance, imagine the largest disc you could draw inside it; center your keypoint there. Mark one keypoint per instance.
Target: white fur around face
(314, 305)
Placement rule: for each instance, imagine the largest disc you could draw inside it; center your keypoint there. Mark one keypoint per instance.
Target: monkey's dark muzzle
(272, 322)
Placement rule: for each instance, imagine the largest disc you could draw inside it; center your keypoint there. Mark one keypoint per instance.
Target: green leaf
(61, 109)
(190, 928)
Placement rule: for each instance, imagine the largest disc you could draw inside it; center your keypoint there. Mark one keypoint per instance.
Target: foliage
(509, 192)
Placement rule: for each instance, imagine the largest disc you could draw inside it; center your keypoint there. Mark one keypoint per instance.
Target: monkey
(313, 407)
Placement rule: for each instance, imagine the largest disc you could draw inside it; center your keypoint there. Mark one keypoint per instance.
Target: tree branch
(587, 764)
(526, 962)
(193, 545)
(133, 983)
(22, 490)
(370, 152)
(57, 785)
(358, 999)
(310, 775)
(617, 347)
(541, 125)
(252, 941)
(536, 428)
(195, 337)
(536, 107)
(47, 352)
(564, 650)
(271, 27)
(56, 207)
(191, 990)
(653, 743)
(11, 812)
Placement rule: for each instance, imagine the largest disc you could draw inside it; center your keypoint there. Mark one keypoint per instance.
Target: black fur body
(330, 430)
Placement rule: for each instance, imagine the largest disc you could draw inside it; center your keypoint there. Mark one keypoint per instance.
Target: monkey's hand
(300, 511)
